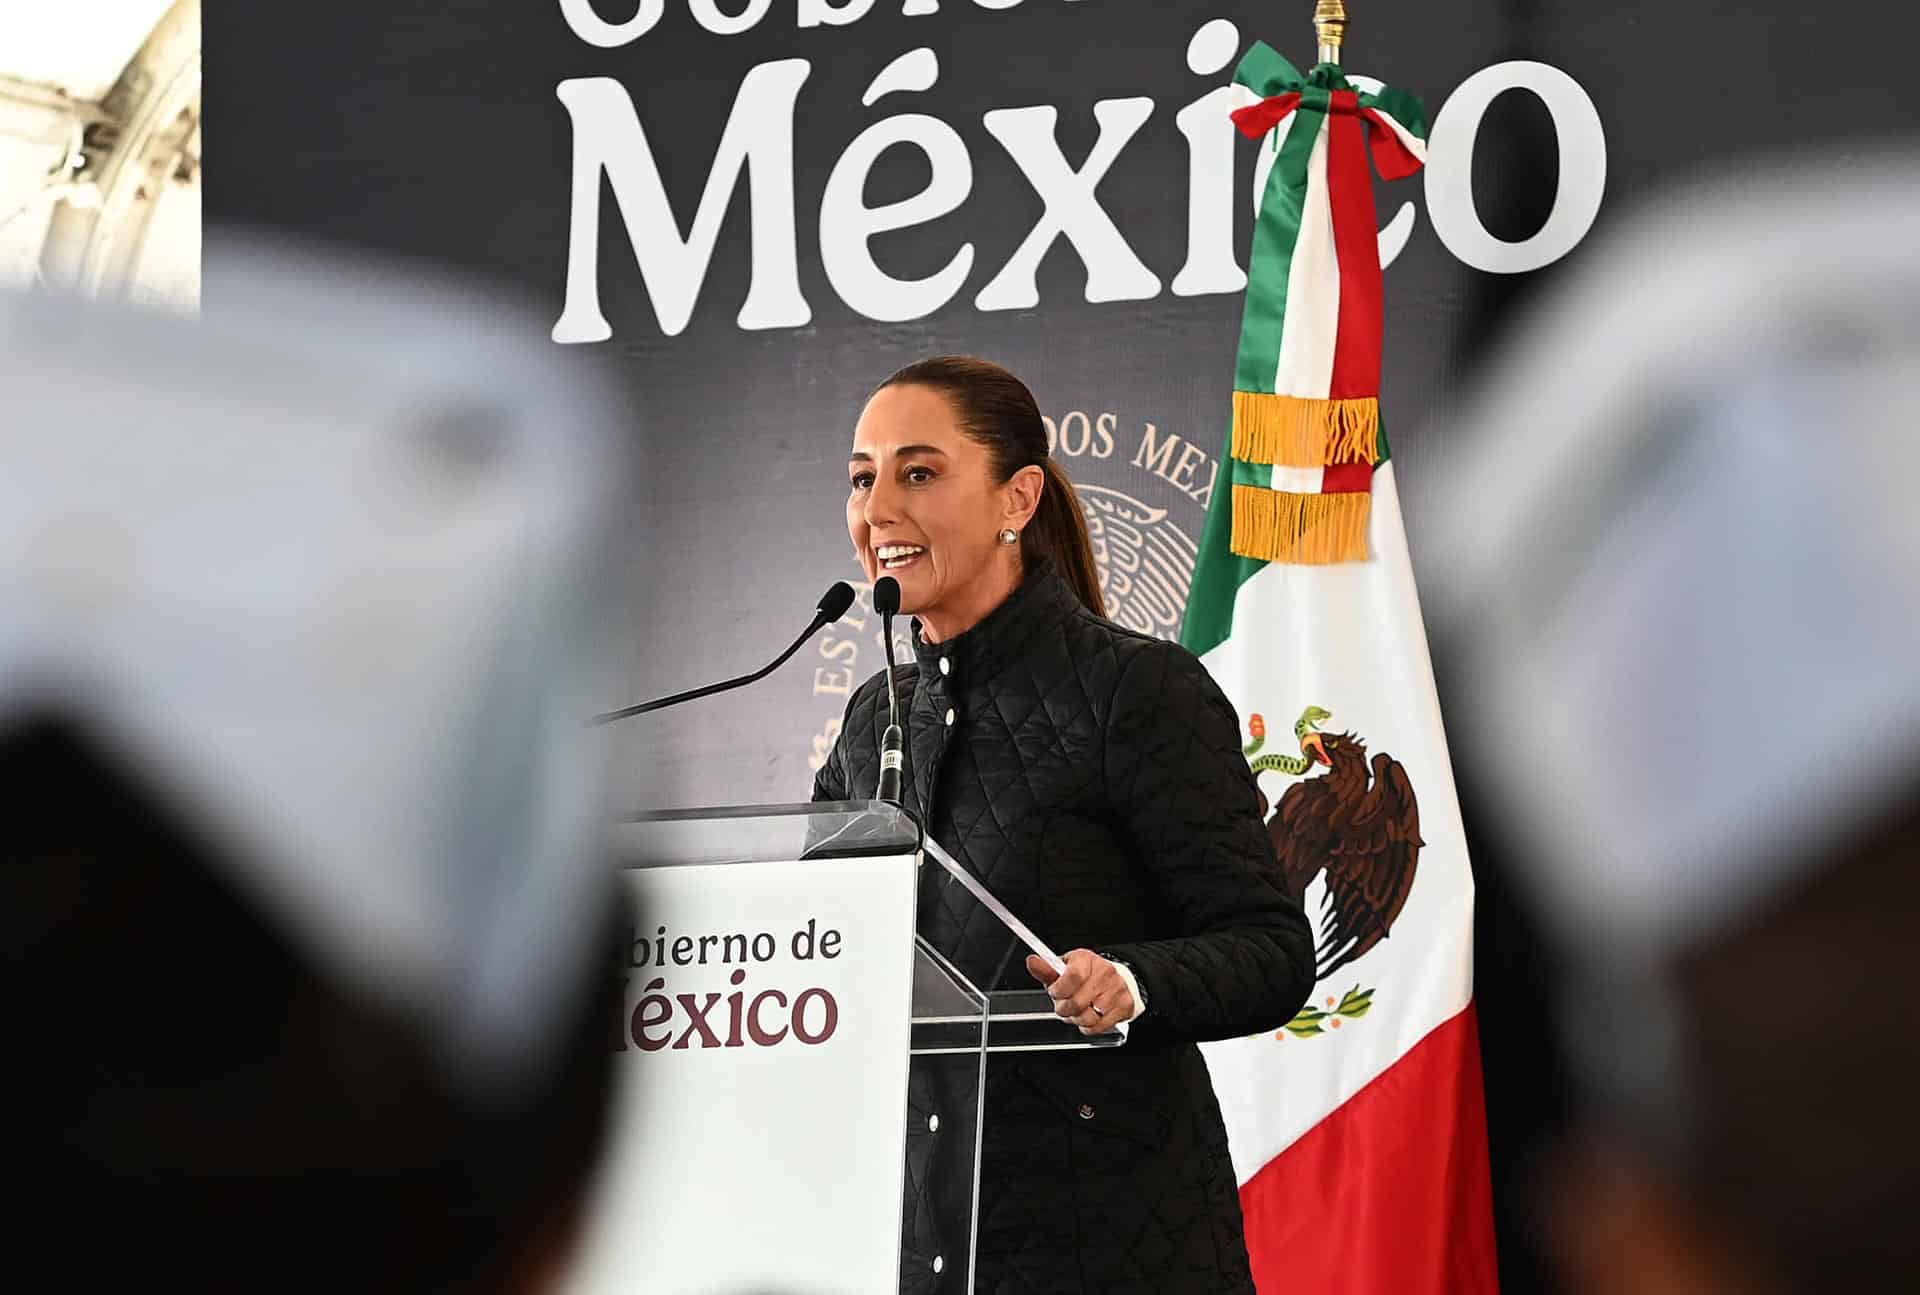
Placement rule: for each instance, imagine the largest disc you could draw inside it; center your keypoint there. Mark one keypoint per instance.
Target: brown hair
(998, 411)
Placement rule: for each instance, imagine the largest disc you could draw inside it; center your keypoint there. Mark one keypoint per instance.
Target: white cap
(339, 565)
(1681, 553)
(1679, 572)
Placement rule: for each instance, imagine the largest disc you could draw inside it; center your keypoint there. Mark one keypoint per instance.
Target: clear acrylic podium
(833, 850)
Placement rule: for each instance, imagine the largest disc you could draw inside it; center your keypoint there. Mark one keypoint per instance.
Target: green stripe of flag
(1274, 238)
(1219, 572)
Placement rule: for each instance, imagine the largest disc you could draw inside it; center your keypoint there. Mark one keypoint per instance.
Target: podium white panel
(757, 1135)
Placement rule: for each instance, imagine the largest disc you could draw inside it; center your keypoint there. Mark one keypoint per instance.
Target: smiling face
(924, 508)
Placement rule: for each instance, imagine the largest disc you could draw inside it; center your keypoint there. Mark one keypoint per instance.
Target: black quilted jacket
(1093, 779)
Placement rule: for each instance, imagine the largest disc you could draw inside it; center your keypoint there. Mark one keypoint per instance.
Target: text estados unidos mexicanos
(610, 141)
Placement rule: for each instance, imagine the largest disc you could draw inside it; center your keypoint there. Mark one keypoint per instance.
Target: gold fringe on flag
(1281, 526)
(1297, 432)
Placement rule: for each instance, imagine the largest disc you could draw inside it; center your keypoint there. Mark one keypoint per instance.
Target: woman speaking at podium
(1092, 778)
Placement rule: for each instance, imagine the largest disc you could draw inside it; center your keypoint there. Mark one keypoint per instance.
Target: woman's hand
(1091, 992)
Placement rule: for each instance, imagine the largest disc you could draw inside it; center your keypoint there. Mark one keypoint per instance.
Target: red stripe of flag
(1346, 479)
(1391, 156)
(1391, 1194)
(1356, 242)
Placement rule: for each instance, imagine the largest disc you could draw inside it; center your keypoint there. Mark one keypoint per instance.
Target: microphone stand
(832, 608)
(887, 601)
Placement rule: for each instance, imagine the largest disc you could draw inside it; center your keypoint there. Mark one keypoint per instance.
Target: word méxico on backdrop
(611, 142)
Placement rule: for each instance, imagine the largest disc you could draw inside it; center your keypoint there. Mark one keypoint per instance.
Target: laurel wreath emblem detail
(1310, 1020)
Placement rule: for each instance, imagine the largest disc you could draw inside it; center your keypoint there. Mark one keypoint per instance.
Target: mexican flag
(1359, 1130)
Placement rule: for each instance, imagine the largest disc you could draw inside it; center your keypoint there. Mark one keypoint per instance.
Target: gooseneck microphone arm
(886, 601)
(833, 605)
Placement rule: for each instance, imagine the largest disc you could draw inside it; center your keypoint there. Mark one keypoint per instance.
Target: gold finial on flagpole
(1330, 26)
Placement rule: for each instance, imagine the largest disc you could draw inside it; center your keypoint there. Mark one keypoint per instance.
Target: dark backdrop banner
(759, 208)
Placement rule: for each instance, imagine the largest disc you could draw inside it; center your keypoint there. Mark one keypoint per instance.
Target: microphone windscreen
(834, 603)
(886, 595)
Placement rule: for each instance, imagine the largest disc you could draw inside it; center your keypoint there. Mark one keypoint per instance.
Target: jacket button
(1086, 1112)
(949, 717)
(933, 1123)
(946, 666)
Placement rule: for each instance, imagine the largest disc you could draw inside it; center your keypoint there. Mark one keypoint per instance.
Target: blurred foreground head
(305, 908)
(1681, 590)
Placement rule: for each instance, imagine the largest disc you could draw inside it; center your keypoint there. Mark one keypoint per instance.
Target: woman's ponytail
(1059, 531)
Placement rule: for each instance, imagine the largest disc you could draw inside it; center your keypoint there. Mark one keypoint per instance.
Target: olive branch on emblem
(1310, 1020)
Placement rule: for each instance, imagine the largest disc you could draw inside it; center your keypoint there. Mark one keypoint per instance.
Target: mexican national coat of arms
(1357, 823)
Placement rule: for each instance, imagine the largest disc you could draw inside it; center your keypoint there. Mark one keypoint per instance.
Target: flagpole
(1330, 26)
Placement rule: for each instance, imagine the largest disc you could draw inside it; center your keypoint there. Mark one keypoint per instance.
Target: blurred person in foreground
(1683, 635)
(307, 921)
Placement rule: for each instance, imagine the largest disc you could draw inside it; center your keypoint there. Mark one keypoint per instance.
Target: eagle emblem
(1358, 822)
(1145, 560)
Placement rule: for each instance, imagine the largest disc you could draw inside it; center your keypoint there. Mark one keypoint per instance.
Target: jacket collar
(1042, 601)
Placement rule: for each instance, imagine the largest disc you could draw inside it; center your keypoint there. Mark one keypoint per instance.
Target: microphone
(886, 601)
(833, 605)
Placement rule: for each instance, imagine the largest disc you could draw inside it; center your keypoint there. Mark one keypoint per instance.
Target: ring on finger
(1099, 1011)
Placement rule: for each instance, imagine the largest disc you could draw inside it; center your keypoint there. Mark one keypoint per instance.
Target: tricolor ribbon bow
(1391, 154)
(1306, 410)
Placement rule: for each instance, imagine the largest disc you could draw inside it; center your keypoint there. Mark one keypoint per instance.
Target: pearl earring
(1009, 536)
